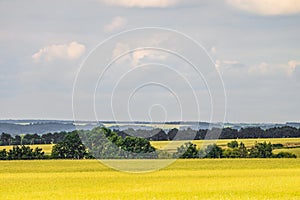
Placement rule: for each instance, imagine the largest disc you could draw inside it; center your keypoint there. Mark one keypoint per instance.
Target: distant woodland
(161, 135)
(102, 143)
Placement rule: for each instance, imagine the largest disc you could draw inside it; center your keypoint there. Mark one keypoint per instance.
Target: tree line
(22, 153)
(102, 143)
(225, 133)
(233, 150)
(161, 135)
(28, 139)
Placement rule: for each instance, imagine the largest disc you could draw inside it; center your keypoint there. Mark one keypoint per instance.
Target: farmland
(184, 179)
(295, 151)
(171, 146)
(288, 143)
(223, 142)
(46, 147)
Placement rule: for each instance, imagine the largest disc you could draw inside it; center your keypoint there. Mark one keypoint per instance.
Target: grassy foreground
(184, 179)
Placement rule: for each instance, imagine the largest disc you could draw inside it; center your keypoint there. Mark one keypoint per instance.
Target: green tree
(5, 139)
(261, 150)
(71, 147)
(3, 154)
(135, 147)
(187, 150)
(284, 154)
(15, 153)
(231, 153)
(235, 150)
(103, 143)
(213, 151)
(243, 152)
(38, 153)
(233, 144)
(24, 153)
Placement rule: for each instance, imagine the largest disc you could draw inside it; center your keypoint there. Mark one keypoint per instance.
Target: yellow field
(172, 145)
(184, 179)
(295, 151)
(47, 148)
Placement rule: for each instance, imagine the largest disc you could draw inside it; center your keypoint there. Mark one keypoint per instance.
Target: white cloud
(135, 58)
(227, 63)
(218, 64)
(292, 65)
(138, 56)
(143, 3)
(230, 62)
(120, 49)
(213, 50)
(267, 7)
(117, 23)
(69, 51)
(262, 69)
(274, 69)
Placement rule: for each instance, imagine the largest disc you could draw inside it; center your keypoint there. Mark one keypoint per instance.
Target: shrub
(284, 154)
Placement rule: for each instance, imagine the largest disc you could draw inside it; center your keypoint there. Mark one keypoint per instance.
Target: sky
(246, 55)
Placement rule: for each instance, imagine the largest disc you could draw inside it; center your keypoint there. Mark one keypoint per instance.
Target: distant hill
(39, 128)
(16, 127)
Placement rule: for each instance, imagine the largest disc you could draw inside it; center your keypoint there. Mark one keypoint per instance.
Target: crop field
(295, 151)
(171, 146)
(288, 143)
(47, 148)
(184, 179)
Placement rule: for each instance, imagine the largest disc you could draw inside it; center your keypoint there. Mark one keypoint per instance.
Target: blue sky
(254, 46)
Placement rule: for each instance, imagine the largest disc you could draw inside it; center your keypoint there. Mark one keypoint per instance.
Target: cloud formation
(262, 69)
(267, 7)
(222, 64)
(143, 3)
(267, 46)
(274, 69)
(292, 65)
(213, 50)
(117, 23)
(69, 51)
(136, 57)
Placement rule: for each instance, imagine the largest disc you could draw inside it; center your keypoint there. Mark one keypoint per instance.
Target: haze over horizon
(254, 46)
